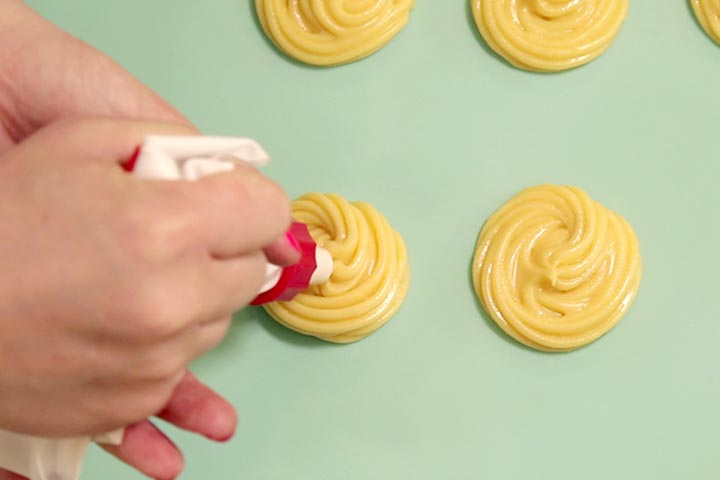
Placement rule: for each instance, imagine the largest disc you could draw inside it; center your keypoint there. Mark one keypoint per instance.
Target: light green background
(437, 132)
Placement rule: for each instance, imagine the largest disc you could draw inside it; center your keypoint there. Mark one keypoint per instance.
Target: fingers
(196, 408)
(284, 251)
(162, 306)
(202, 338)
(193, 407)
(234, 213)
(236, 283)
(149, 451)
(228, 285)
(241, 211)
(93, 138)
(231, 214)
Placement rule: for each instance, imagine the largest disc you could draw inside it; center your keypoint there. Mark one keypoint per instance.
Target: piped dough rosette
(549, 35)
(708, 14)
(370, 273)
(332, 32)
(555, 269)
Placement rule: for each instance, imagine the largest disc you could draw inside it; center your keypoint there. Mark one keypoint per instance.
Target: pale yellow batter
(332, 32)
(555, 269)
(549, 35)
(370, 274)
(708, 14)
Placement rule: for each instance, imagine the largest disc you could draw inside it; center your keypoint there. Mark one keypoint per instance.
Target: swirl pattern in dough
(708, 14)
(332, 32)
(555, 269)
(370, 274)
(549, 35)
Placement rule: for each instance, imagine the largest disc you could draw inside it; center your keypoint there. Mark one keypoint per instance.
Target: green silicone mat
(437, 132)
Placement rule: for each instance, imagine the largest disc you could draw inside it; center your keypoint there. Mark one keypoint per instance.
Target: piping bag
(171, 158)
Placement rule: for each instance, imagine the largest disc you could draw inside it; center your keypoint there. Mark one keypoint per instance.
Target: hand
(137, 278)
(46, 75)
(193, 407)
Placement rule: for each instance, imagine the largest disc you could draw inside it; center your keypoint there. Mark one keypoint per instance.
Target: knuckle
(145, 404)
(149, 238)
(215, 337)
(275, 207)
(278, 200)
(162, 367)
(152, 312)
(236, 189)
(134, 231)
(252, 188)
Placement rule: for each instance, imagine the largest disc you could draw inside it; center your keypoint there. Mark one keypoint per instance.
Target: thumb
(84, 81)
(98, 138)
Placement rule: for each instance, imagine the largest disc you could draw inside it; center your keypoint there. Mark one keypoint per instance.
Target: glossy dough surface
(708, 14)
(549, 35)
(332, 32)
(370, 274)
(555, 269)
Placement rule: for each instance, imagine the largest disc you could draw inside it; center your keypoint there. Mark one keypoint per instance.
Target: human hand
(154, 271)
(46, 75)
(193, 407)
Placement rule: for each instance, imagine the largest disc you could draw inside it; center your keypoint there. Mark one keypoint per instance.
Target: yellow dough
(332, 32)
(549, 35)
(370, 274)
(555, 269)
(708, 14)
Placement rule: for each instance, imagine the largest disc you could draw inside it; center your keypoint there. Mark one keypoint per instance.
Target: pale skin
(90, 340)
